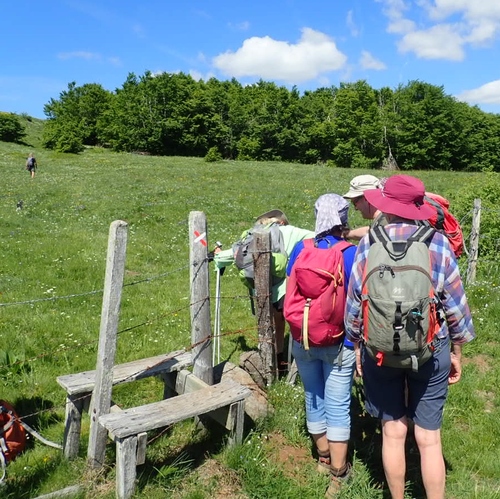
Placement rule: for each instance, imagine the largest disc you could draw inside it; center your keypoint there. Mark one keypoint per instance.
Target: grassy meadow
(52, 264)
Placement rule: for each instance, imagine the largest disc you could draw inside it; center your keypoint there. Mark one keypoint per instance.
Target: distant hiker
(406, 343)
(319, 271)
(31, 165)
(284, 237)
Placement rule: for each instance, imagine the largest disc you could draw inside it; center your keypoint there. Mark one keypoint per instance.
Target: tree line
(414, 126)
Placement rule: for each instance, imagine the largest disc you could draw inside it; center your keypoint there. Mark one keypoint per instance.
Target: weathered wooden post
(201, 330)
(101, 396)
(263, 303)
(474, 243)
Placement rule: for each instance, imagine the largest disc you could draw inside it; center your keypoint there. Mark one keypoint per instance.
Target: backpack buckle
(396, 338)
(415, 316)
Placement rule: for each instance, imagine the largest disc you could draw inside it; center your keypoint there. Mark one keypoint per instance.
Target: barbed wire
(148, 322)
(188, 348)
(89, 293)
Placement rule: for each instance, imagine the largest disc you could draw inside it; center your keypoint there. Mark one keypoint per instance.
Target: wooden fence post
(201, 330)
(101, 396)
(263, 303)
(474, 243)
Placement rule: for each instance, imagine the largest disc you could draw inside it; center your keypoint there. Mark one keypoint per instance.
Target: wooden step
(80, 383)
(172, 410)
(127, 425)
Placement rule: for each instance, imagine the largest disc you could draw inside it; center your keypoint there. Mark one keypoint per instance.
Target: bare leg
(336, 450)
(338, 454)
(431, 462)
(321, 444)
(393, 455)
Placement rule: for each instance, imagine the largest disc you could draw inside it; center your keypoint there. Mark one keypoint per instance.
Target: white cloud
(351, 24)
(400, 26)
(115, 61)
(314, 54)
(471, 9)
(138, 30)
(88, 56)
(368, 61)
(243, 26)
(482, 32)
(489, 93)
(445, 27)
(198, 75)
(438, 42)
(394, 10)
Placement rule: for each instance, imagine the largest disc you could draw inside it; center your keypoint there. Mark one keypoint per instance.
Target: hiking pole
(218, 244)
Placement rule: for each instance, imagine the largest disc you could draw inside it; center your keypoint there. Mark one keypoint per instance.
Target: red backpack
(12, 433)
(316, 295)
(445, 222)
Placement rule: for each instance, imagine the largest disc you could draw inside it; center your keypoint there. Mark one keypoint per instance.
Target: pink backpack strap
(343, 245)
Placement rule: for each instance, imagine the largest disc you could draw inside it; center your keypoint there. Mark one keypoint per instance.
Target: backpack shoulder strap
(308, 243)
(343, 245)
(439, 209)
(423, 234)
(378, 234)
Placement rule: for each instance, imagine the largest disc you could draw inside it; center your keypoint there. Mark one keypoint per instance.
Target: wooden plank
(84, 382)
(72, 426)
(237, 412)
(126, 450)
(142, 438)
(187, 382)
(263, 303)
(201, 328)
(71, 491)
(101, 395)
(142, 442)
(158, 414)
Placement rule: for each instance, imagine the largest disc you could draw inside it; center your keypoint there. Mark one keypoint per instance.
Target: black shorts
(427, 389)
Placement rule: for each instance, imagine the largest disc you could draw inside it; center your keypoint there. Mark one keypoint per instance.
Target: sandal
(337, 481)
(324, 464)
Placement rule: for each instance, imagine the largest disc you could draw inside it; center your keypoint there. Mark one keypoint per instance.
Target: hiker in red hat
(423, 341)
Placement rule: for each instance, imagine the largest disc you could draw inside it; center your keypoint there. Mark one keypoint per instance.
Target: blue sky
(47, 44)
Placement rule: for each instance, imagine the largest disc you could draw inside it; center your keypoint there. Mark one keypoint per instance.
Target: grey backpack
(399, 307)
(243, 255)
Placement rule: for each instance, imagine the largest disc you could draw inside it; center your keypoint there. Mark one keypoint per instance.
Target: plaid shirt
(445, 276)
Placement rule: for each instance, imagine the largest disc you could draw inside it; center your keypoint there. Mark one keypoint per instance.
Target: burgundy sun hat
(403, 196)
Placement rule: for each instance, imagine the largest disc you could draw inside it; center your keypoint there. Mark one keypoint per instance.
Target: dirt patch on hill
(481, 361)
(228, 481)
(294, 461)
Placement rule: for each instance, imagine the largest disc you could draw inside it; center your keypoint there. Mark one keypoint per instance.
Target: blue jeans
(327, 388)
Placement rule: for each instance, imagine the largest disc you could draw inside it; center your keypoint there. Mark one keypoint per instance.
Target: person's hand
(359, 367)
(217, 249)
(455, 369)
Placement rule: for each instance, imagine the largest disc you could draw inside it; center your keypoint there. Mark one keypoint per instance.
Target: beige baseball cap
(274, 214)
(360, 184)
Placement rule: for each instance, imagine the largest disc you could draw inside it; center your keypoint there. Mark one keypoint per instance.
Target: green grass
(56, 246)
